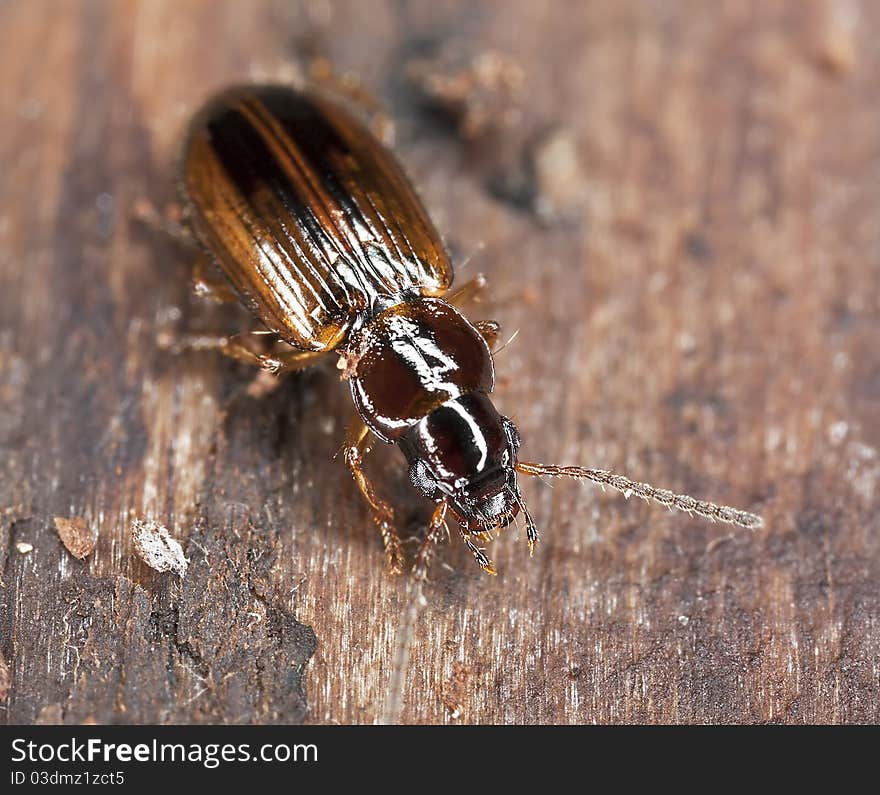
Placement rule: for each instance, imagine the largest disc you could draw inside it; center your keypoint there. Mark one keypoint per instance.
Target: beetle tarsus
(395, 562)
(532, 538)
(531, 527)
(483, 560)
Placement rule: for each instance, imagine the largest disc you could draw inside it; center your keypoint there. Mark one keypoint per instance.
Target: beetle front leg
(435, 532)
(382, 512)
(483, 560)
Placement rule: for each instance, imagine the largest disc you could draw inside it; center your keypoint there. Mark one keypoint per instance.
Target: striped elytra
(309, 217)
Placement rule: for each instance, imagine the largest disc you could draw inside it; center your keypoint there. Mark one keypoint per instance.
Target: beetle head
(464, 452)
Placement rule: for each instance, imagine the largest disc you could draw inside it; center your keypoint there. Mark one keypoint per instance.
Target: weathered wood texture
(707, 320)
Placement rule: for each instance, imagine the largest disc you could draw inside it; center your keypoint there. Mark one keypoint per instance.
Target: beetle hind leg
(171, 224)
(350, 86)
(209, 284)
(168, 223)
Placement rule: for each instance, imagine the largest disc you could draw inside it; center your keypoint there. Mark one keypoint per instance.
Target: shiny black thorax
(421, 375)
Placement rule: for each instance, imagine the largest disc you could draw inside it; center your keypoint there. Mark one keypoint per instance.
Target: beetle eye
(420, 477)
(512, 433)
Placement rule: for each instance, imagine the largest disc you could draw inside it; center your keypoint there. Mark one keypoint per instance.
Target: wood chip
(76, 535)
(155, 547)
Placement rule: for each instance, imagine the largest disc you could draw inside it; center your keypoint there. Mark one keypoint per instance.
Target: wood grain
(707, 319)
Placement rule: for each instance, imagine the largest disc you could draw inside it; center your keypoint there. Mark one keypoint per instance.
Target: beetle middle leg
(383, 514)
(288, 361)
(489, 330)
(472, 290)
(291, 360)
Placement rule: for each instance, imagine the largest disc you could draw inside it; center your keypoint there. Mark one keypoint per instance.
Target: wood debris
(155, 547)
(76, 535)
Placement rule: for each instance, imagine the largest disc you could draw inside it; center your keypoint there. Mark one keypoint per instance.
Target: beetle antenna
(647, 492)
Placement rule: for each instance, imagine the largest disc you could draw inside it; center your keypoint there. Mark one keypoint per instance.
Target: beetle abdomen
(307, 214)
(411, 359)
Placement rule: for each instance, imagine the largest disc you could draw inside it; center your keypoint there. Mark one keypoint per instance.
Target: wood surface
(699, 309)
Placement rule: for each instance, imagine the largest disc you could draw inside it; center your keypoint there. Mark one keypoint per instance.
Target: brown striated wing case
(307, 214)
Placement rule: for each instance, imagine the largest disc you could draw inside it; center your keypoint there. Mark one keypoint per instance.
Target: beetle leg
(229, 346)
(168, 223)
(350, 86)
(483, 560)
(288, 361)
(432, 538)
(472, 290)
(207, 283)
(489, 329)
(383, 513)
